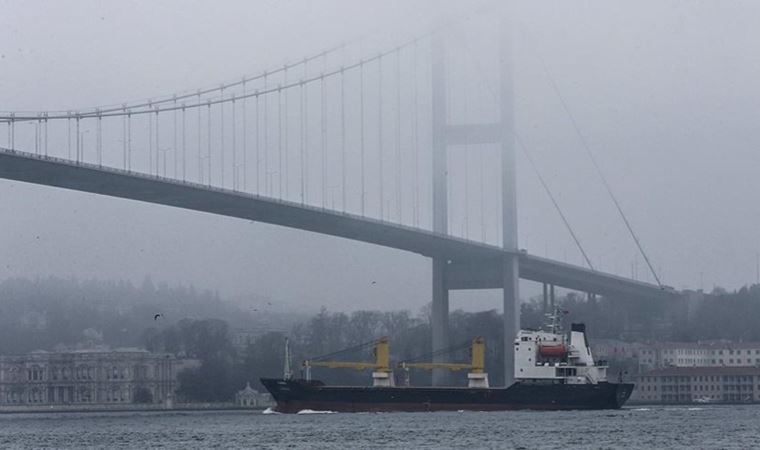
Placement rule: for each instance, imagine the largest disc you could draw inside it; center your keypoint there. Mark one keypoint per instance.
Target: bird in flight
(156, 316)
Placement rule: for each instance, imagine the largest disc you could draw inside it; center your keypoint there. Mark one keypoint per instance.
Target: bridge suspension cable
(152, 106)
(257, 147)
(245, 139)
(285, 132)
(93, 111)
(597, 168)
(129, 142)
(212, 115)
(380, 134)
(279, 144)
(234, 146)
(302, 141)
(221, 137)
(343, 141)
(323, 138)
(184, 146)
(207, 157)
(415, 140)
(266, 140)
(398, 138)
(361, 127)
(526, 151)
(553, 200)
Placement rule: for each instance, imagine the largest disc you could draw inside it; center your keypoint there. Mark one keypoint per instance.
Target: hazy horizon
(665, 93)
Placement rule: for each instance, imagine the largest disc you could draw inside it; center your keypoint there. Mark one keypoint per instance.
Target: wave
(270, 411)
(311, 411)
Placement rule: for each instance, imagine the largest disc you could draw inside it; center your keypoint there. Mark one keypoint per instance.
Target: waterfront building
(699, 354)
(613, 349)
(698, 385)
(85, 377)
(251, 398)
(242, 338)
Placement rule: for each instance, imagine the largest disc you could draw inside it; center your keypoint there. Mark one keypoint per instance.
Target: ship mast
(287, 372)
(554, 321)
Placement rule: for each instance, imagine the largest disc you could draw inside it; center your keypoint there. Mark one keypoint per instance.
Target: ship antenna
(549, 326)
(555, 324)
(287, 373)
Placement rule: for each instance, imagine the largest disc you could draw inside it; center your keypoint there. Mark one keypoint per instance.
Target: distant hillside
(53, 312)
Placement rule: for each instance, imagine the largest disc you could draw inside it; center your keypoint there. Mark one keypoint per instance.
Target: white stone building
(698, 385)
(699, 354)
(85, 377)
(251, 398)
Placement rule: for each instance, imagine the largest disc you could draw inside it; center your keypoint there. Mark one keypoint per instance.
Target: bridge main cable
(149, 103)
(123, 110)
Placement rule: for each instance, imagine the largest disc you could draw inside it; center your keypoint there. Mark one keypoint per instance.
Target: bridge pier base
(510, 272)
(510, 265)
(551, 298)
(439, 318)
(545, 299)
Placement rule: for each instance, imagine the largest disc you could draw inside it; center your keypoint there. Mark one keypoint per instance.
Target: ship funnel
(580, 328)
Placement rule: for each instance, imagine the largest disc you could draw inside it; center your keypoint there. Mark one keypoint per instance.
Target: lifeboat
(552, 350)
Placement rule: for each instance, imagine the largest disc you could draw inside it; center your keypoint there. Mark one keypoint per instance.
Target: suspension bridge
(358, 148)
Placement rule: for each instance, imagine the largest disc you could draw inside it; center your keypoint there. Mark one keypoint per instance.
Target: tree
(208, 341)
(143, 395)
(262, 358)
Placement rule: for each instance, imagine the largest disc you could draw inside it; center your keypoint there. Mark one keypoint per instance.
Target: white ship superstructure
(549, 356)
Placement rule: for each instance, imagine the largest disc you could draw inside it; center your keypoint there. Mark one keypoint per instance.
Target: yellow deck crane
(381, 367)
(477, 377)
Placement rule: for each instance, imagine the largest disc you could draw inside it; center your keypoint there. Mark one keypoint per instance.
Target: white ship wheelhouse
(552, 357)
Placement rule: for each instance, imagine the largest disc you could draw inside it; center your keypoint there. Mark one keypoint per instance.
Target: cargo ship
(553, 371)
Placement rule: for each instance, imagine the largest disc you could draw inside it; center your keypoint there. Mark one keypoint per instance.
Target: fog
(665, 94)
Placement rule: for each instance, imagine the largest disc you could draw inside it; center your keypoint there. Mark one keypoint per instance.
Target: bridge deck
(474, 264)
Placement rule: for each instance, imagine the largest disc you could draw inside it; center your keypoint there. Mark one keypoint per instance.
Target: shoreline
(132, 408)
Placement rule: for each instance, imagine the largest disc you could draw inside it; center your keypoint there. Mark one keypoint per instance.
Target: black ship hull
(297, 395)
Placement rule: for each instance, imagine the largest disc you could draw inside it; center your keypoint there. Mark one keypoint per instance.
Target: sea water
(636, 427)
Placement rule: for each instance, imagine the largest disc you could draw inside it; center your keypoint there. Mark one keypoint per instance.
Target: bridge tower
(499, 133)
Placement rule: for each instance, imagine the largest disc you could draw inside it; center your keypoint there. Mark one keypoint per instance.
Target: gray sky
(665, 93)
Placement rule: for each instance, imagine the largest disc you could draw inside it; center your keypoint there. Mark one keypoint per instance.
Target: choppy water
(645, 427)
